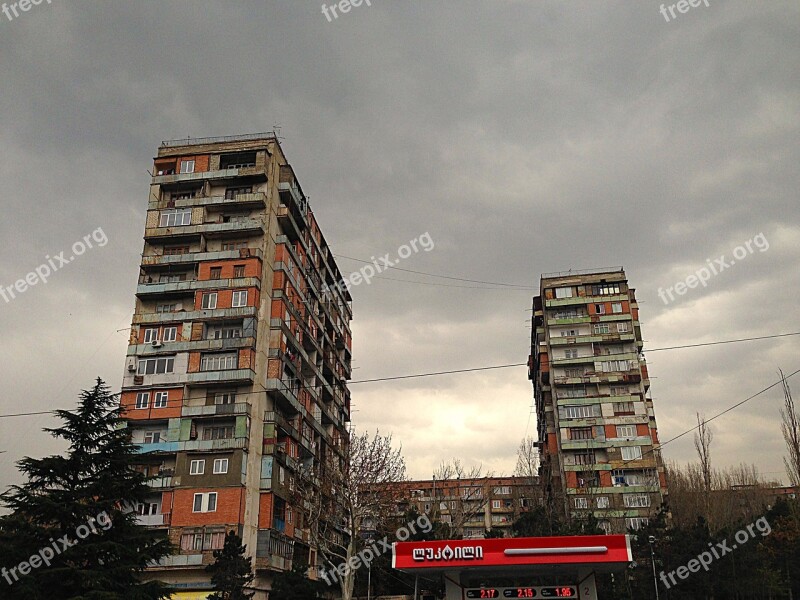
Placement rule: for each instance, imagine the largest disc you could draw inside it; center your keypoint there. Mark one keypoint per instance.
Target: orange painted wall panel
(173, 408)
(229, 507)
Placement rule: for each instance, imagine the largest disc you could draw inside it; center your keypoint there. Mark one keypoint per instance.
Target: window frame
(206, 302)
(143, 396)
(236, 299)
(200, 463)
(220, 461)
(160, 399)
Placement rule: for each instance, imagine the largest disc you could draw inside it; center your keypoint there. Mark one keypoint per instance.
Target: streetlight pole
(652, 540)
(369, 580)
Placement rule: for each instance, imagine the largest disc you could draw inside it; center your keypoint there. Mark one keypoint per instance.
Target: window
(225, 398)
(571, 353)
(601, 328)
(156, 366)
(631, 452)
(187, 166)
(235, 245)
(205, 502)
(160, 400)
(175, 250)
(645, 477)
(142, 399)
(626, 431)
(576, 392)
(580, 433)
(177, 217)
(147, 508)
(218, 362)
(584, 458)
(220, 466)
(209, 301)
(183, 194)
(152, 437)
(584, 411)
(619, 390)
(609, 366)
(616, 307)
(605, 526)
(162, 308)
(502, 491)
(199, 541)
(170, 334)
(605, 289)
(238, 160)
(197, 467)
(636, 500)
(216, 272)
(602, 502)
(564, 292)
(636, 523)
(599, 309)
(224, 432)
(496, 504)
(150, 335)
(574, 372)
(238, 271)
(172, 277)
(623, 327)
(624, 408)
(581, 503)
(239, 299)
(231, 193)
(618, 477)
(569, 333)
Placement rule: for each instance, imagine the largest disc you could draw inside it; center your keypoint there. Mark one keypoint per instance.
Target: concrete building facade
(239, 356)
(597, 431)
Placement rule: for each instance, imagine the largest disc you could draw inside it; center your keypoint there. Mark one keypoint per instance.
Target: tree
(81, 498)
(790, 426)
(464, 491)
(231, 572)
(348, 497)
(294, 584)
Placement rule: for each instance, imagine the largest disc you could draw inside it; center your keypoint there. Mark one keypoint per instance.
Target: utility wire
(369, 262)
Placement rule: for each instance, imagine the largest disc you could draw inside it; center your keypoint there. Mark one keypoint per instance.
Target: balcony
(247, 226)
(153, 520)
(195, 346)
(282, 422)
(207, 175)
(252, 200)
(146, 291)
(183, 316)
(179, 560)
(166, 447)
(288, 224)
(216, 410)
(203, 445)
(196, 257)
(238, 376)
(160, 483)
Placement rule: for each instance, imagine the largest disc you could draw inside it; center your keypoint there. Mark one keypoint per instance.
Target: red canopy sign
(504, 552)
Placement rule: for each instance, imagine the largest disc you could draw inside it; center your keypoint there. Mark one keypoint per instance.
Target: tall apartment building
(238, 361)
(596, 425)
(471, 507)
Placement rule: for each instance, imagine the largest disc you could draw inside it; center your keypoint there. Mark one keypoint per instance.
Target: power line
(369, 262)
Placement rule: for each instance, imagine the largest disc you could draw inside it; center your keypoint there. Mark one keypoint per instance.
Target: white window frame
(571, 353)
(636, 500)
(187, 166)
(636, 523)
(599, 309)
(581, 502)
(142, 400)
(170, 334)
(221, 398)
(622, 327)
(150, 335)
(152, 435)
(208, 502)
(167, 362)
(160, 399)
(581, 411)
(563, 292)
(602, 502)
(209, 301)
(219, 362)
(197, 467)
(626, 431)
(175, 217)
(496, 504)
(601, 328)
(239, 299)
(218, 464)
(632, 452)
(616, 308)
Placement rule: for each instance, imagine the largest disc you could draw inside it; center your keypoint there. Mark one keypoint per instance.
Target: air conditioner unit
(156, 344)
(131, 367)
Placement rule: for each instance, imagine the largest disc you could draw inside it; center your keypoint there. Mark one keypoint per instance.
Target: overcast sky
(523, 136)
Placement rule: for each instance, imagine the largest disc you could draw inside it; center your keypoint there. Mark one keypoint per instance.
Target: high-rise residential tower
(239, 356)
(597, 430)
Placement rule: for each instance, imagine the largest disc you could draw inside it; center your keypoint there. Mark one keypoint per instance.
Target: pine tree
(294, 584)
(231, 572)
(73, 514)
